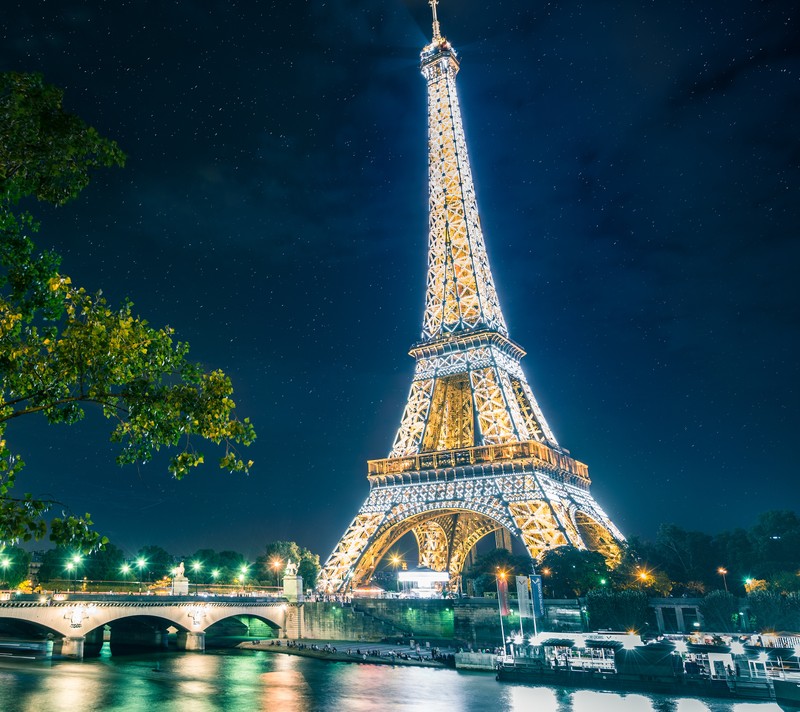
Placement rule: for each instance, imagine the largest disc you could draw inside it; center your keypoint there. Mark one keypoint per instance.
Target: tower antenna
(437, 35)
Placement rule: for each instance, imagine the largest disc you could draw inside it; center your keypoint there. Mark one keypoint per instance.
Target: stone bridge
(77, 623)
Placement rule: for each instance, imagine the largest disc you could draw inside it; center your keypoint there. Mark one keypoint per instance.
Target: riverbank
(349, 652)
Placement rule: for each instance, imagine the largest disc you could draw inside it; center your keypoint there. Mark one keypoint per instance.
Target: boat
(787, 692)
(625, 663)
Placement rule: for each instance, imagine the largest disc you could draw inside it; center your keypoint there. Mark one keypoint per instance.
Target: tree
(14, 564)
(720, 611)
(770, 611)
(574, 572)
(617, 610)
(104, 564)
(484, 569)
(231, 563)
(63, 349)
(639, 569)
(272, 563)
(152, 562)
(687, 557)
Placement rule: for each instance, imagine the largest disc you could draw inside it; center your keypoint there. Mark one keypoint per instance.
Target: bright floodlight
(5, 562)
(737, 648)
(763, 657)
(76, 559)
(196, 566)
(125, 568)
(141, 562)
(797, 651)
(214, 573)
(681, 647)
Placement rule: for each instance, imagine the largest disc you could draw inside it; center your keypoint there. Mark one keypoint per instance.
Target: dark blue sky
(636, 165)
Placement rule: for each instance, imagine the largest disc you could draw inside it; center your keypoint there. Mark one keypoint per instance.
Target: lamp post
(723, 572)
(125, 569)
(141, 563)
(72, 565)
(276, 564)
(396, 561)
(5, 562)
(501, 575)
(196, 568)
(243, 572)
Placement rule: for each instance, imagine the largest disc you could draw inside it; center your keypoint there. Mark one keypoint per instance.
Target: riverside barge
(670, 666)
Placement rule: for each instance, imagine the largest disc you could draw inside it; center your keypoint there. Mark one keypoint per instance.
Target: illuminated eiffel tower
(474, 453)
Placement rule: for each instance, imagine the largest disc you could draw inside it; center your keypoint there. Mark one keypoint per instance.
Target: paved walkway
(357, 652)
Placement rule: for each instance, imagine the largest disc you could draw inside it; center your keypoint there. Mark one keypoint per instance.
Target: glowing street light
(276, 564)
(72, 565)
(125, 570)
(5, 562)
(141, 564)
(723, 572)
(196, 568)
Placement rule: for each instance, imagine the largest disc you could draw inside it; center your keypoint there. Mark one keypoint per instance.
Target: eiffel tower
(474, 454)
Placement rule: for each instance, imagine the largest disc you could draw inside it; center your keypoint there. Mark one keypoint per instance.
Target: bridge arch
(139, 621)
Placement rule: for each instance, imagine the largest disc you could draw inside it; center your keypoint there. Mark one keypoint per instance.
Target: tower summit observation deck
(474, 453)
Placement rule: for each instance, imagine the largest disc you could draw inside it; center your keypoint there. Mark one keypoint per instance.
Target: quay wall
(472, 622)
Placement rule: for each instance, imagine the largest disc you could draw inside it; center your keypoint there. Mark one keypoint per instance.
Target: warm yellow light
(722, 571)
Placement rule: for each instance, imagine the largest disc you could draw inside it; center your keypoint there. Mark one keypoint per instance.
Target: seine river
(257, 680)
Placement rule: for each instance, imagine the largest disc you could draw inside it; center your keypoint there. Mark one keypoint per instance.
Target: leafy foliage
(720, 611)
(272, 563)
(483, 572)
(573, 572)
(62, 348)
(13, 566)
(771, 611)
(617, 610)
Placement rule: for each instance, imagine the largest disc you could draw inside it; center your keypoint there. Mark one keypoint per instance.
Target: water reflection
(257, 680)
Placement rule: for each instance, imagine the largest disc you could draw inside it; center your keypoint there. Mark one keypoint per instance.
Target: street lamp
(196, 567)
(72, 565)
(396, 561)
(276, 564)
(243, 572)
(723, 572)
(141, 563)
(5, 562)
(125, 569)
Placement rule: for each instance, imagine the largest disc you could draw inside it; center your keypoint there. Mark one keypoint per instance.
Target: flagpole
(533, 609)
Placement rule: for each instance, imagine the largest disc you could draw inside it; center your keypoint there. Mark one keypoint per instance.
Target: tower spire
(437, 35)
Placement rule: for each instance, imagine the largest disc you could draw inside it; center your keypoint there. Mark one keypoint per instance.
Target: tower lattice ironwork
(474, 453)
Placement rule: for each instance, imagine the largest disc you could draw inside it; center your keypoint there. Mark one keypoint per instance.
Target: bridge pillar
(71, 647)
(191, 640)
(294, 619)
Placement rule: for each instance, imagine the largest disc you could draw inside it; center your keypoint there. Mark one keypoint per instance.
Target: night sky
(637, 171)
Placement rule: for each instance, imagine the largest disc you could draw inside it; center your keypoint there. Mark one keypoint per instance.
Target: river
(257, 680)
